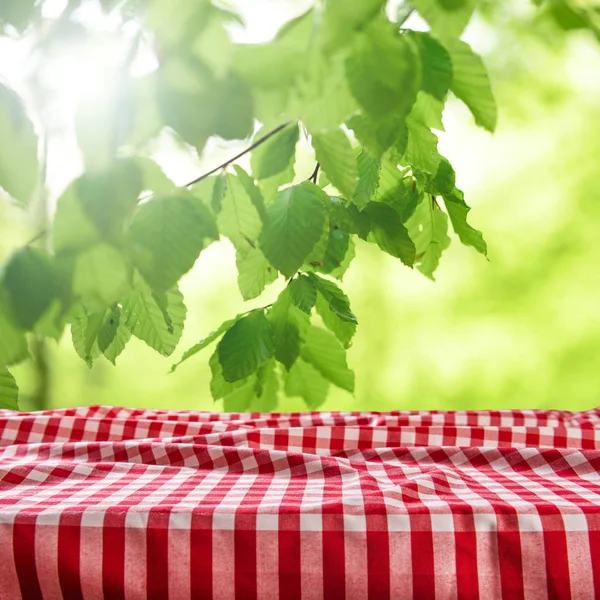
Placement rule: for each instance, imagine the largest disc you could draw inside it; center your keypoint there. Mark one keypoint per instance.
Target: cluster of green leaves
(364, 92)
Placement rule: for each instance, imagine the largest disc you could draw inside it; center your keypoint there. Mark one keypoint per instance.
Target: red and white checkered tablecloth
(117, 503)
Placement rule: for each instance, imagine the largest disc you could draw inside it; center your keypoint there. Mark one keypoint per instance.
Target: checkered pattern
(114, 503)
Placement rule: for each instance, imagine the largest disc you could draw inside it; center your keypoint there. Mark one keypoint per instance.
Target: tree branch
(257, 143)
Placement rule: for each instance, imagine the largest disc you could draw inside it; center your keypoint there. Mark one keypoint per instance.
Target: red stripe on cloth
(594, 536)
(245, 557)
(509, 557)
(423, 568)
(557, 559)
(201, 556)
(113, 556)
(378, 563)
(24, 553)
(334, 564)
(9, 580)
(290, 582)
(467, 576)
(157, 555)
(69, 537)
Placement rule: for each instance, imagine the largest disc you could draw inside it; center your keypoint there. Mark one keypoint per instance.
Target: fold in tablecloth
(103, 502)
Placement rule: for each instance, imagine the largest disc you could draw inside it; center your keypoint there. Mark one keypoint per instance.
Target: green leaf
(457, 211)
(368, 178)
(322, 98)
(108, 198)
(277, 64)
(186, 84)
(72, 229)
(377, 136)
(13, 345)
(218, 192)
(240, 398)
(336, 299)
(338, 159)
(289, 325)
(245, 345)
(29, 285)
(436, 65)
(108, 330)
(239, 219)
(84, 333)
(17, 13)
(219, 388)
(274, 155)
(113, 335)
(101, 277)
(574, 17)
(209, 339)
(52, 323)
(428, 228)
(266, 387)
(153, 177)
(9, 391)
(317, 254)
(342, 18)
(214, 47)
(253, 191)
(442, 19)
(443, 181)
(232, 107)
(254, 273)
(383, 71)
(335, 251)
(388, 232)
(305, 381)
(323, 351)
(184, 24)
(167, 235)
(343, 330)
(296, 223)
(19, 150)
(471, 84)
(428, 111)
(421, 150)
(269, 187)
(344, 265)
(392, 188)
(303, 293)
(343, 215)
(145, 319)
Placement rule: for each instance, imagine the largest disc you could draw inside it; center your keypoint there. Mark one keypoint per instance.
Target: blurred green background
(521, 330)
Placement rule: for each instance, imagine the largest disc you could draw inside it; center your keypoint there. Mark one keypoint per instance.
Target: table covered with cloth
(104, 502)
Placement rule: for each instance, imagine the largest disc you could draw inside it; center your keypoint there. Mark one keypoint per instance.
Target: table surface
(107, 502)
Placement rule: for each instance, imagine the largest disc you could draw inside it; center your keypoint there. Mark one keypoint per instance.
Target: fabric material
(115, 503)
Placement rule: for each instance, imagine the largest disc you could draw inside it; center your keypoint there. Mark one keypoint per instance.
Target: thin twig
(38, 236)
(257, 143)
(314, 175)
